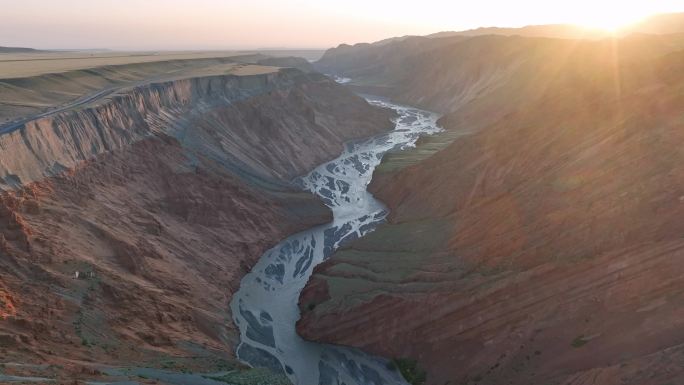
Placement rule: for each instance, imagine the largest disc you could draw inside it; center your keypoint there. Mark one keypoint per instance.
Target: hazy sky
(228, 24)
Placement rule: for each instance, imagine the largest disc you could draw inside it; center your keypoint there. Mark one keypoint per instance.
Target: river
(265, 307)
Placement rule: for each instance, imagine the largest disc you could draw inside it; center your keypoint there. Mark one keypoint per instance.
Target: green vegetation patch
(421, 235)
(579, 341)
(254, 376)
(409, 369)
(427, 146)
(395, 259)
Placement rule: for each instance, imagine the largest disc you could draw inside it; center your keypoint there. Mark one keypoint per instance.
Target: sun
(611, 19)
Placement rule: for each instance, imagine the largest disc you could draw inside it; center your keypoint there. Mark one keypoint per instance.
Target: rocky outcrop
(544, 246)
(127, 224)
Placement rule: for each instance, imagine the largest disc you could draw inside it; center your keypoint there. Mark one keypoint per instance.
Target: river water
(265, 307)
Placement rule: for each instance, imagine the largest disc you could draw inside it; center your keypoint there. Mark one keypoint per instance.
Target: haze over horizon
(214, 24)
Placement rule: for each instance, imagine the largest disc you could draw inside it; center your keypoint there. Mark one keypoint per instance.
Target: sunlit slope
(446, 74)
(544, 244)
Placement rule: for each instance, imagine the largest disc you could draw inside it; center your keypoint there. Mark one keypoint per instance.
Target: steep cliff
(127, 222)
(538, 239)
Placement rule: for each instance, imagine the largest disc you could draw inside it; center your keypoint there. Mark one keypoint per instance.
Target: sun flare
(610, 19)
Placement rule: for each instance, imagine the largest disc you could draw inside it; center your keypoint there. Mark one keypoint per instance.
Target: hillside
(135, 215)
(537, 239)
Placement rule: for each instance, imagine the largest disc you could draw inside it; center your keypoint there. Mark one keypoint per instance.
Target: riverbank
(265, 308)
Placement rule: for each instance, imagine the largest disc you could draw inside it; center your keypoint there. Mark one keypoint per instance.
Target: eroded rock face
(196, 111)
(164, 197)
(543, 248)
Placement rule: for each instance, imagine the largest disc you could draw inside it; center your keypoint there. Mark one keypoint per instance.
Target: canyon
(128, 219)
(537, 240)
(482, 207)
